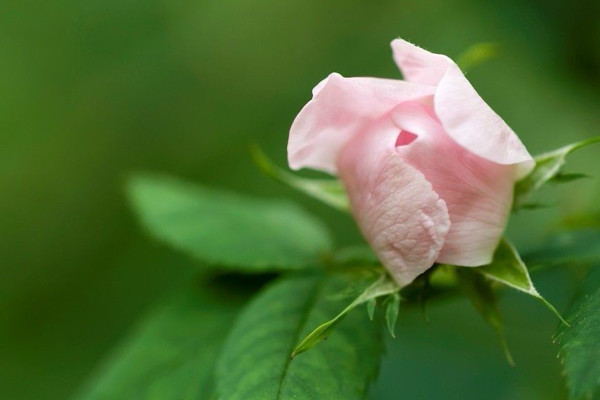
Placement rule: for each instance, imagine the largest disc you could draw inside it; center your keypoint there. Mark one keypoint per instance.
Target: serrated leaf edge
(532, 290)
(384, 285)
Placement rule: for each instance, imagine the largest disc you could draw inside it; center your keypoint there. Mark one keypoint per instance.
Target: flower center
(405, 138)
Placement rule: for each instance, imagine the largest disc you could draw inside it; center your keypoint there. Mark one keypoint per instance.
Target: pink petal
(462, 112)
(419, 65)
(398, 212)
(340, 108)
(477, 192)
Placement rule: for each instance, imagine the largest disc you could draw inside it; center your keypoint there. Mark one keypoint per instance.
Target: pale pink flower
(428, 166)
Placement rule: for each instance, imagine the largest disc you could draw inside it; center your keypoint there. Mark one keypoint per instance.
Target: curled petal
(419, 65)
(473, 124)
(340, 108)
(462, 112)
(400, 215)
(477, 192)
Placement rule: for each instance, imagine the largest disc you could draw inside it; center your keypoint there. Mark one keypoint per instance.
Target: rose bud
(429, 168)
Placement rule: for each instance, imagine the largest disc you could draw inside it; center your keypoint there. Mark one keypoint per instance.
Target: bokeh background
(93, 90)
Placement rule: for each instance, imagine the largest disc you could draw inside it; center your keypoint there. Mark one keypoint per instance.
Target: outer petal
(398, 212)
(462, 112)
(340, 108)
(478, 192)
(419, 65)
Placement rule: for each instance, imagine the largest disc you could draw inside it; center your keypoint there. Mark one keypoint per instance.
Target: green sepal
(383, 286)
(507, 268)
(547, 167)
(391, 313)
(329, 191)
(564, 177)
(371, 305)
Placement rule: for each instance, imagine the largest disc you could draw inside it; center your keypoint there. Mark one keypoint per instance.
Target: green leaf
(508, 269)
(483, 298)
(581, 246)
(329, 191)
(256, 365)
(580, 343)
(476, 55)
(547, 167)
(171, 354)
(225, 229)
(383, 286)
(356, 255)
(391, 313)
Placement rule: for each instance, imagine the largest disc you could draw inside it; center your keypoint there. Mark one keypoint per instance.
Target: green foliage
(225, 229)
(476, 55)
(391, 313)
(371, 305)
(444, 275)
(580, 343)
(329, 191)
(580, 246)
(508, 269)
(171, 354)
(582, 220)
(548, 166)
(356, 255)
(481, 293)
(563, 177)
(256, 365)
(383, 286)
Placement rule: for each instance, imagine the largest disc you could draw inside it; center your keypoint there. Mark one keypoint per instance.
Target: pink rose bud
(428, 166)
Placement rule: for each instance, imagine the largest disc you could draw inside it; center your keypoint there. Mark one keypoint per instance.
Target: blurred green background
(92, 90)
